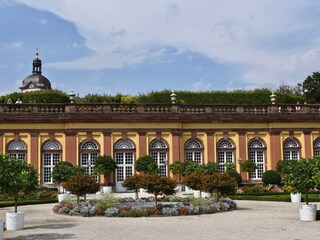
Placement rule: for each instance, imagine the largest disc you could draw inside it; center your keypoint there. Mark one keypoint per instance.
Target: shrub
(107, 200)
(271, 177)
(135, 212)
(111, 212)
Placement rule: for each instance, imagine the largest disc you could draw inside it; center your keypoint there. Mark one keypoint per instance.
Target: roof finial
(37, 52)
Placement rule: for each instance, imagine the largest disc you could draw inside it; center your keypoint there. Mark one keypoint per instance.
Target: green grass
(9, 203)
(281, 197)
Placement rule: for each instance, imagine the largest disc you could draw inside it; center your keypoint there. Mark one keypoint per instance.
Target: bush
(107, 200)
(271, 177)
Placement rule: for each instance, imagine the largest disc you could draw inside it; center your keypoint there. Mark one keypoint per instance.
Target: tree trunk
(136, 194)
(15, 204)
(155, 199)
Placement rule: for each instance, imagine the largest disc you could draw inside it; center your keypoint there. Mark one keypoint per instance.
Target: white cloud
(201, 85)
(43, 21)
(248, 33)
(13, 45)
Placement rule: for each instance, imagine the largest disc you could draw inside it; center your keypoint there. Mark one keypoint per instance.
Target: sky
(132, 47)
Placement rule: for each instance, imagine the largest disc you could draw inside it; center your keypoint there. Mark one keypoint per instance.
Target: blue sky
(132, 47)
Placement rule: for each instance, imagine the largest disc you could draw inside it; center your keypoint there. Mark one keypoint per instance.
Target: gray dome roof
(36, 81)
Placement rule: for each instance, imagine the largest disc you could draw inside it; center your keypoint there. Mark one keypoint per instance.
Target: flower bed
(110, 206)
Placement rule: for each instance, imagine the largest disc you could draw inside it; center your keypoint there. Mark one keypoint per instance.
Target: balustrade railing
(159, 108)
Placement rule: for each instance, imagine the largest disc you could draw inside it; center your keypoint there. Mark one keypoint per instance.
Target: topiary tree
(156, 185)
(62, 171)
(81, 184)
(147, 165)
(248, 166)
(195, 181)
(104, 165)
(16, 176)
(271, 177)
(219, 184)
(133, 183)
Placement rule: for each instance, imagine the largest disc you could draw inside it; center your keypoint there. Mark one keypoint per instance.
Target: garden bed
(109, 206)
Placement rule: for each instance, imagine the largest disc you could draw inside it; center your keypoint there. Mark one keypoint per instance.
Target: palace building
(44, 134)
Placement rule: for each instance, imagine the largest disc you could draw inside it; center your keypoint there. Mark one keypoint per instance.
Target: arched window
(257, 155)
(316, 147)
(17, 149)
(291, 150)
(89, 151)
(193, 151)
(225, 154)
(124, 151)
(51, 155)
(159, 152)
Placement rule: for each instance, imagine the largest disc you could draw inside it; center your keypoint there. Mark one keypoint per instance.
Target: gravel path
(253, 220)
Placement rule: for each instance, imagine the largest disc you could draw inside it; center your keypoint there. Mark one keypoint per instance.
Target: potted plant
(248, 166)
(219, 184)
(195, 181)
(300, 176)
(80, 184)
(146, 165)
(133, 183)
(282, 169)
(16, 177)
(156, 185)
(105, 165)
(61, 173)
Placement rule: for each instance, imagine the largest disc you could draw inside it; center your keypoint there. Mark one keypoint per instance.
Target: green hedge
(45, 96)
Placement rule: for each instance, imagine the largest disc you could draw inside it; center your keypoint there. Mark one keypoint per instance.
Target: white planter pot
(295, 198)
(189, 190)
(308, 212)
(178, 188)
(142, 190)
(14, 221)
(205, 195)
(107, 189)
(63, 196)
(196, 194)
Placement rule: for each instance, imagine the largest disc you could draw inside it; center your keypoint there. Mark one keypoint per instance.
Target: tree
(311, 88)
(104, 165)
(133, 183)
(195, 181)
(249, 166)
(156, 185)
(62, 171)
(147, 165)
(80, 184)
(219, 184)
(301, 175)
(231, 170)
(288, 89)
(16, 176)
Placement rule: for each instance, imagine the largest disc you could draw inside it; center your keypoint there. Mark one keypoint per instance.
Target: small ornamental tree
(231, 170)
(61, 172)
(147, 165)
(104, 165)
(195, 181)
(16, 176)
(156, 185)
(80, 184)
(133, 183)
(219, 184)
(249, 166)
(300, 175)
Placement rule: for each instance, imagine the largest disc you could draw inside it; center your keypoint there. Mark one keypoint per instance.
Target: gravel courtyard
(253, 220)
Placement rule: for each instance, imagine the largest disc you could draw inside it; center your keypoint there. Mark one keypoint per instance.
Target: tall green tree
(104, 165)
(311, 88)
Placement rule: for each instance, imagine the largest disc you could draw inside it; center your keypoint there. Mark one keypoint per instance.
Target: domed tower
(36, 81)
